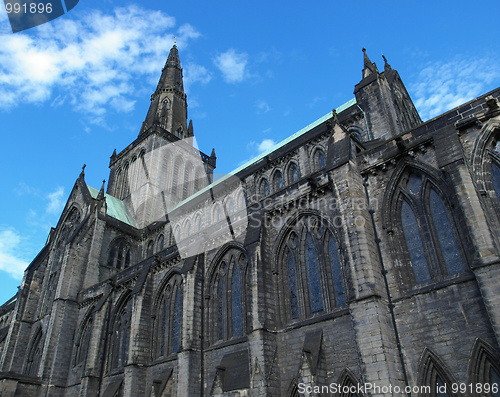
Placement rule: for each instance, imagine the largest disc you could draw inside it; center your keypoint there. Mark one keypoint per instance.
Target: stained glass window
(338, 285)
(220, 309)
(236, 301)
(176, 326)
(414, 244)
(168, 322)
(446, 236)
(293, 173)
(313, 277)
(292, 284)
(278, 181)
(320, 159)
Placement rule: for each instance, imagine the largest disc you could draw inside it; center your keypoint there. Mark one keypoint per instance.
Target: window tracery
(428, 229)
(83, 342)
(119, 255)
(310, 268)
(120, 335)
(34, 354)
(168, 319)
(227, 292)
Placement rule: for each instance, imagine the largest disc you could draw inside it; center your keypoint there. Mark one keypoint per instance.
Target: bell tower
(161, 167)
(168, 107)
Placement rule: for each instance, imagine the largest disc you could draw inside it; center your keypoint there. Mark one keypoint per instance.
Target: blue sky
(255, 72)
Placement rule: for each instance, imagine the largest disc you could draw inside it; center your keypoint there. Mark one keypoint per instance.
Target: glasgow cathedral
(358, 257)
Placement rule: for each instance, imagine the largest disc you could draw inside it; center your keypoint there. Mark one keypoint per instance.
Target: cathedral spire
(369, 67)
(168, 108)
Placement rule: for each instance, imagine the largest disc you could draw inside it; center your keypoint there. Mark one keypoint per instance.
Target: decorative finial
(386, 64)
(82, 174)
(363, 49)
(175, 38)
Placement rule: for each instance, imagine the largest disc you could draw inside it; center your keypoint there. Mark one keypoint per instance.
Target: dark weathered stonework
(365, 250)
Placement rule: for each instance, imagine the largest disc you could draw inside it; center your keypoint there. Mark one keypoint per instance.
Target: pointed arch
(293, 172)
(34, 356)
(150, 249)
(318, 159)
(293, 389)
(226, 289)
(309, 264)
(485, 164)
(433, 373)
(263, 187)
(167, 325)
(423, 229)
(484, 366)
(348, 384)
(119, 253)
(119, 341)
(83, 338)
(277, 180)
(160, 243)
(187, 188)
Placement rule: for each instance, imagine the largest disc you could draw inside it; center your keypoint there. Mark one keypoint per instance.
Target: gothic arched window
(485, 368)
(34, 354)
(176, 176)
(434, 375)
(264, 188)
(119, 255)
(227, 291)
(150, 250)
(120, 335)
(188, 176)
(160, 245)
(428, 230)
(310, 270)
(293, 173)
(83, 341)
(168, 319)
(278, 181)
(319, 159)
(198, 223)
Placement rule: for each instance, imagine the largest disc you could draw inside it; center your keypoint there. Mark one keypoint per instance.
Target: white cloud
(95, 58)
(262, 106)
(10, 246)
(256, 148)
(195, 73)
(56, 202)
(265, 145)
(232, 65)
(443, 86)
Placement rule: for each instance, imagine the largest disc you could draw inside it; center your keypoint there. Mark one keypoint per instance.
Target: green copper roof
(275, 147)
(115, 207)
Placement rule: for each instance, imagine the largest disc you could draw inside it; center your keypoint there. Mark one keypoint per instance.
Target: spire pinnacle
(368, 66)
(100, 196)
(386, 64)
(168, 108)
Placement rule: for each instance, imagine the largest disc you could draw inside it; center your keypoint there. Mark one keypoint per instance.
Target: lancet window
(167, 333)
(430, 236)
(227, 292)
(310, 270)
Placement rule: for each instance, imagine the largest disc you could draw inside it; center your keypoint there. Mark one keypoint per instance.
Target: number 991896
(478, 388)
(28, 8)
